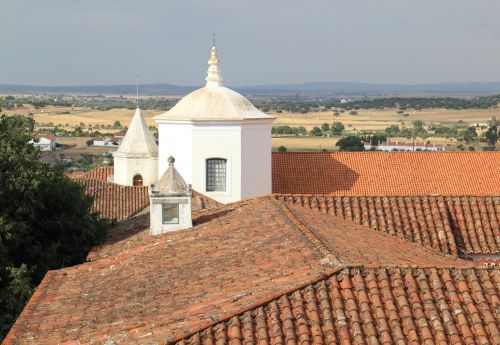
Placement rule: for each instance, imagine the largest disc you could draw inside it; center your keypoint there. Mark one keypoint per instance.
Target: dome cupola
(221, 140)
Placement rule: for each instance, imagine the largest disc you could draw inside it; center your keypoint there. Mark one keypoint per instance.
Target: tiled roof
(386, 173)
(121, 202)
(437, 222)
(373, 306)
(145, 290)
(115, 201)
(48, 136)
(99, 173)
(200, 202)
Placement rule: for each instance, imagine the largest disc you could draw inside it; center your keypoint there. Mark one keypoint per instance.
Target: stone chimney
(170, 202)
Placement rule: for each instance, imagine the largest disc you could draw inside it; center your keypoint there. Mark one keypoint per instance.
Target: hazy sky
(75, 42)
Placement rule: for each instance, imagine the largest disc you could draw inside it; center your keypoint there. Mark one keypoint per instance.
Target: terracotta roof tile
(387, 173)
(237, 257)
(116, 201)
(373, 306)
(121, 202)
(451, 225)
(175, 282)
(99, 173)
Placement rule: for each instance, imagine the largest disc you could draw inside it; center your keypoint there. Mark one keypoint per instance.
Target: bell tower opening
(137, 181)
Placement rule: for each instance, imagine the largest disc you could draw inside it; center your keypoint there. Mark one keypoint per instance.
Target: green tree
(325, 127)
(418, 124)
(337, 128)
(316, 131)
(350, 143)
(46, 220)
(392, 130)
(469, 134)
(117, 124)
(301, 130)
(377, 138)
(282, 149)
(492, 134)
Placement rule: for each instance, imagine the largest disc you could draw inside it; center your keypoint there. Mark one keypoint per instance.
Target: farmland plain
(366, 120)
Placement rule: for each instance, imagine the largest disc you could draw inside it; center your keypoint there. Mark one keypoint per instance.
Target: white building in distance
(136, 161)
(405, 146)
(44, 142)
(221, 141)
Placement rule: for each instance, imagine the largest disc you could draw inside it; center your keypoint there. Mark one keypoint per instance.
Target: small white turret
(136, 160)
(170, 202)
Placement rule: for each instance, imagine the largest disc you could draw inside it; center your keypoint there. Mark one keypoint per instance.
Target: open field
(366, 120)
(58, 116)
(305, 143)
(380, 119)
(371, 119)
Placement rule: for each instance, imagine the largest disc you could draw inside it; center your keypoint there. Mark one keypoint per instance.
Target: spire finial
(213, 74)
(171, 161)
(137, 90)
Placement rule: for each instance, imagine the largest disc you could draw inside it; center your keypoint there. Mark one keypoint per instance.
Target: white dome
(213, 103)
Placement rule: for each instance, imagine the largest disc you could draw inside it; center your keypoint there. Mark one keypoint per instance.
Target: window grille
(216, 175)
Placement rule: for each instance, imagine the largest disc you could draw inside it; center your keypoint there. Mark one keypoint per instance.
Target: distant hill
(333, 88)
(350, 87)
(153, 89)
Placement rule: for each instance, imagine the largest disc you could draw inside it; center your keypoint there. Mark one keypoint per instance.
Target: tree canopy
(46, 220)
(493, 133)
(350, 143)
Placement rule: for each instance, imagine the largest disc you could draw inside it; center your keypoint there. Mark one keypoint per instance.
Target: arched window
(137, 181)
(216, 175)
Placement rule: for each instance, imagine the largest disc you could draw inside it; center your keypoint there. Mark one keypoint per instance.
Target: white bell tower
(221, 142)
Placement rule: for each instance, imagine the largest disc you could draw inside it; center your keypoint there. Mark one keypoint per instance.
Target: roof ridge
(329, 256)
(452, 254)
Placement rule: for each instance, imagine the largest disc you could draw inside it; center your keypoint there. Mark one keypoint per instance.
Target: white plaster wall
(246, 145)
(125, 168)
(256, 166)
(156, 216)
(175, 139)
(218, 140)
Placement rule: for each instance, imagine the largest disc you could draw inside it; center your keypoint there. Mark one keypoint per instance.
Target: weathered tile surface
(373, 306)
(147, 290)
(452, 225)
